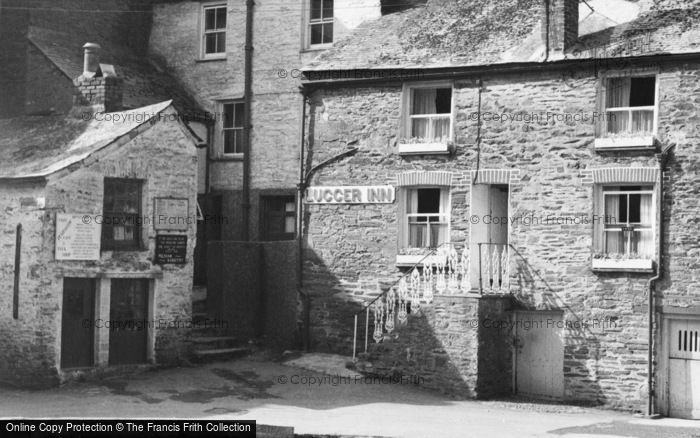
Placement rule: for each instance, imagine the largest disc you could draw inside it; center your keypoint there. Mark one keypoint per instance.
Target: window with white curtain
(425, 217)
(630, 104)
(429, 114)
(628, 221)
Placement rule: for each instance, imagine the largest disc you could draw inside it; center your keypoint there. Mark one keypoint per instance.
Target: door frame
(663, 372)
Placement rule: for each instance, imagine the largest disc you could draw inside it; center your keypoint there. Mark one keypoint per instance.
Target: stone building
(545, 184)
(98, 187)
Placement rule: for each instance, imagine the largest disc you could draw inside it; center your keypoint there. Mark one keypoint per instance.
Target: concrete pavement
(315, 403)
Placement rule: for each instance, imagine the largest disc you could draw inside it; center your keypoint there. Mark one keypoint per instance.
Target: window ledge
(317, 47)
(210, 59)
(229, 157)
(619, 143)
(410, 260)
(423, 148)
(629, 265)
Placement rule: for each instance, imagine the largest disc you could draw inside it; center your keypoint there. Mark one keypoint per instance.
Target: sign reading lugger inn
(350, 195)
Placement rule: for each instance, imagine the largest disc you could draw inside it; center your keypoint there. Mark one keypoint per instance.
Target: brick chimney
(559, 24)
(99, 86)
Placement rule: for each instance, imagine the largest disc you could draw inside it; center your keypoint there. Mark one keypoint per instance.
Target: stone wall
(164, 157)
(351, 249)
(447, 347)
(276, 107)
(252, 287)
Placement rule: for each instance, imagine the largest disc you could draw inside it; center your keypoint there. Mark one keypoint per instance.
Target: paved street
(277, 394)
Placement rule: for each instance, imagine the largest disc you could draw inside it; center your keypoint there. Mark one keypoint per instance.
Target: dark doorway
(128, 334)
(77, 336)
(208, 229)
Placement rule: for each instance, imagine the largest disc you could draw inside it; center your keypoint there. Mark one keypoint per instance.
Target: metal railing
(448, 275)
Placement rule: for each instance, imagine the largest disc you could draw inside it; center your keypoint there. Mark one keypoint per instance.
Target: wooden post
(18, 259)
(366, 328)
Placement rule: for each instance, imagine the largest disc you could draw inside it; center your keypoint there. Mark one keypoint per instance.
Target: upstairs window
(630, 104)
(628, 222)
(121, 222)
(321, 22)
(426, 217)
(428, 116)
(232, 128)
(214, 31)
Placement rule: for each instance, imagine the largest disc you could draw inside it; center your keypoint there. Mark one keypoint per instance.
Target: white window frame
(624, 263)
(445, 210)
(203, 32)
(220, 128)
(310, 22)
(406, 145)
(605, 141)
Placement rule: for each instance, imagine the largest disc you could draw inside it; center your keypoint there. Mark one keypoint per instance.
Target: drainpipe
(651, 285)
(304, 179)
(247, 97)
(300, 224)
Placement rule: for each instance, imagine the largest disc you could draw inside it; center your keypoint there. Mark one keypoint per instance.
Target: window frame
(406, 146)
(203, 55)
(404, 235)
(285, 198)
(631, 141)
(601, 259)
(220, 129)
(110, 244)
(312, 22)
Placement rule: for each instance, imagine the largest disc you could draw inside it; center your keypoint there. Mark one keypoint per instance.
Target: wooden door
(128, 314)
(539, 354)
(77, 323)
(684, 369)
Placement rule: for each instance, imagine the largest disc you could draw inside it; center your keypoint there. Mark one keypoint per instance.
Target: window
(428, 118)
(121, 213)
(321, 22)
(232, 128)
(628, 229)
(426, 217)
(214, 31)
(279, 218)
(629, 105)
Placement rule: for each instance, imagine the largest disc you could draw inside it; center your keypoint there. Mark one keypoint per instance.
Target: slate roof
(60, 28)
(37, 146)
(464, 33)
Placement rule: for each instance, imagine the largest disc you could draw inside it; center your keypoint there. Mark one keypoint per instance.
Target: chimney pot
(91, 59)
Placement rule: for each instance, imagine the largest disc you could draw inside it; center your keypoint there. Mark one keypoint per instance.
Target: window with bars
(425, 217)
(214, 19)
(628, 214)
(320, 22)
(121, 214)
(232, 127)
(278, 218)
(429, 115)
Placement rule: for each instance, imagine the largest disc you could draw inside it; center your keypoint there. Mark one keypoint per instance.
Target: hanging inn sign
(350, 195)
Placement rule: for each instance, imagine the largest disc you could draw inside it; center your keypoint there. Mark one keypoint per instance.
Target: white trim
(423, 148)
(406, 101)
(632, 265)
(410, 260)
(307, 22)
(202, 33)
(603, 140)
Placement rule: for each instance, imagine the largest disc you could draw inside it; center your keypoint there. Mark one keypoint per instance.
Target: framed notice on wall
(172, 214)
(77, 237)
(171, 249)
